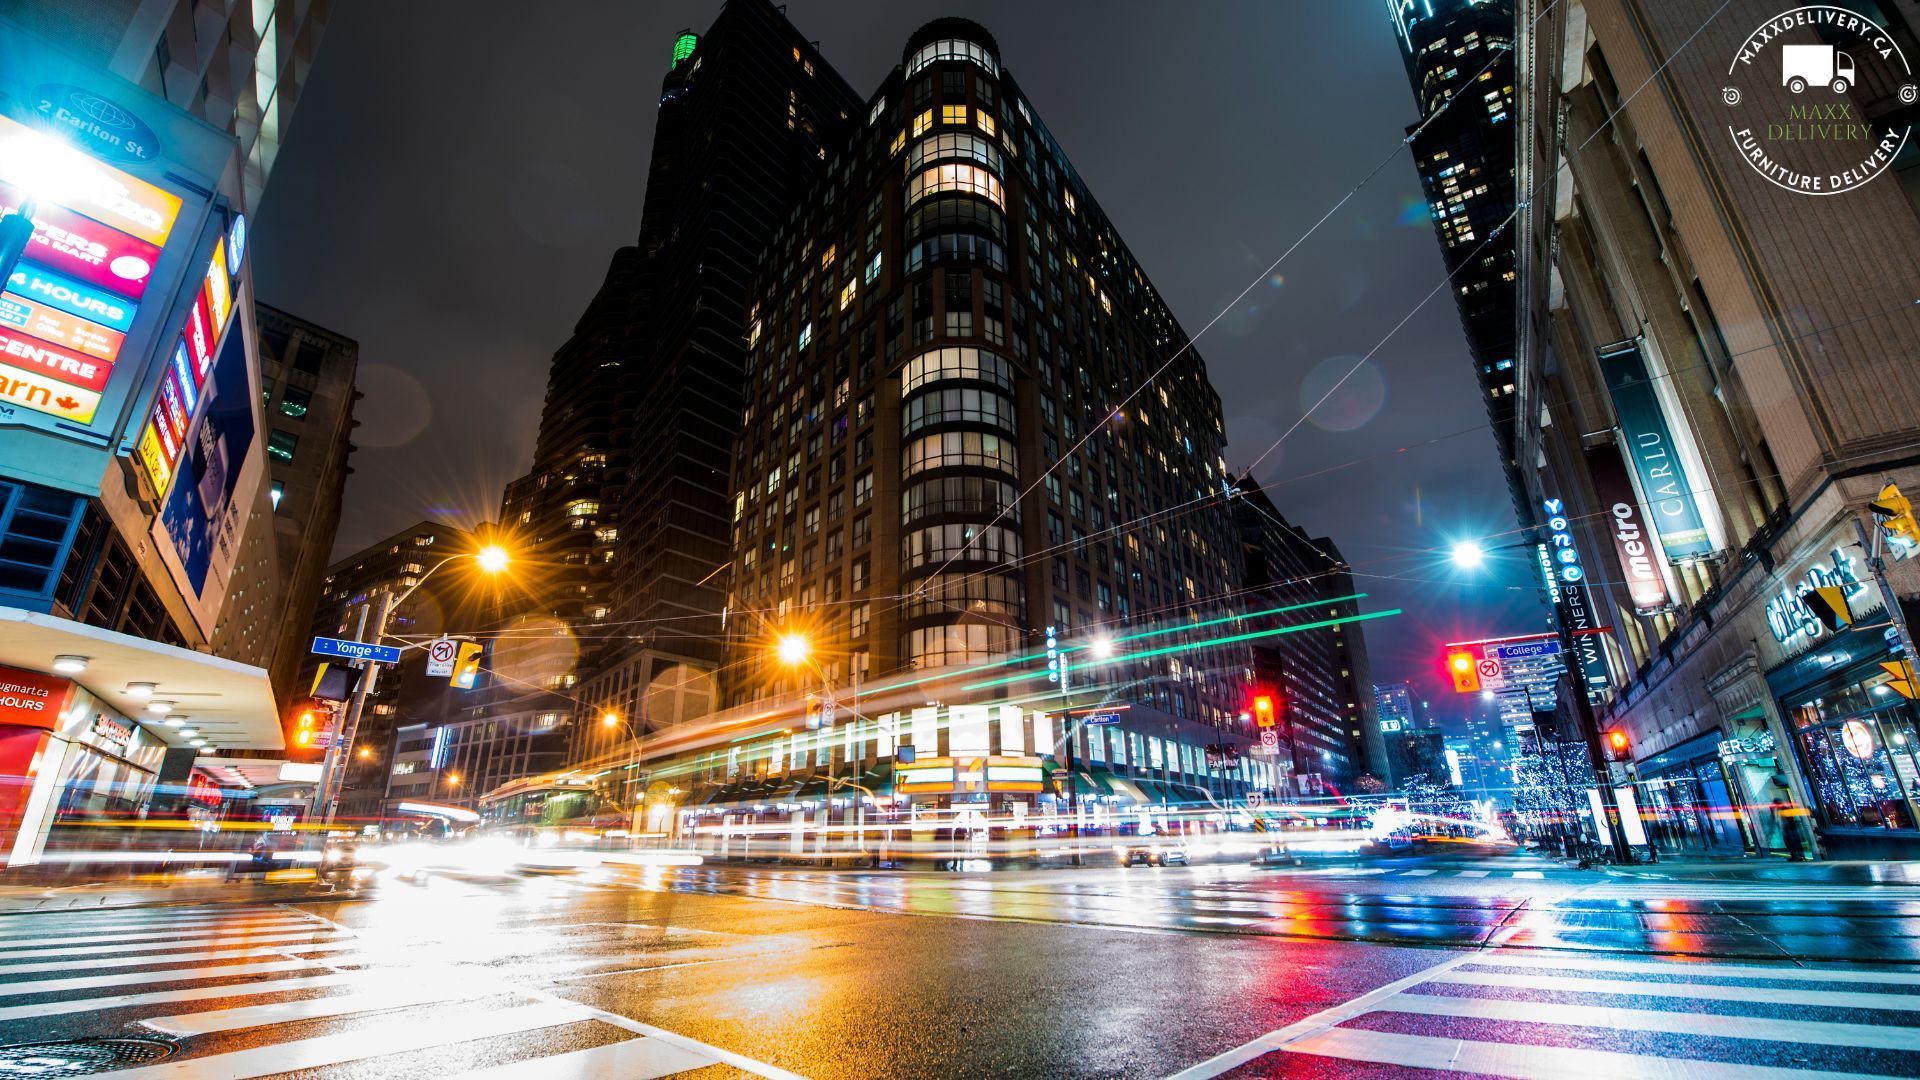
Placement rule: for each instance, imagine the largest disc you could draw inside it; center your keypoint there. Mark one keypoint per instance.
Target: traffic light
(466, 665)
(310, 724)
(1895, 514)
(1617, 746)
(335, 682)
(1466, 675)
(1828, 604)
(1264, 710)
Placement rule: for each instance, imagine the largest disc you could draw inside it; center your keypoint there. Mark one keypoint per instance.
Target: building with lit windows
(942, 471)
(306, 378)
(1459, 58)
(626, 503)
(1715, 381)
(351, 587)
(1292, 578)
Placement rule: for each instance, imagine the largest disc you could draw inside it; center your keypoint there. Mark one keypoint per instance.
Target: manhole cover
(79, 1057)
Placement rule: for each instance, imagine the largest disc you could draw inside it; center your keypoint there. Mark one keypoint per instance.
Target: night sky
(455, 179)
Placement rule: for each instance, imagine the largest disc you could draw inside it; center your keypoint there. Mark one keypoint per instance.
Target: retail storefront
(1854, 741)
(1687, 801)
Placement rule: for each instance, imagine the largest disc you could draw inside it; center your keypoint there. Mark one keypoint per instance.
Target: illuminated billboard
(163, 440)
(84, 249)
(50, 169)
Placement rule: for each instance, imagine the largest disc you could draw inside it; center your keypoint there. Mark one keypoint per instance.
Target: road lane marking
(644, 1058)
(239, 953)
(1771, 995)
(445, 988)
(105, 924)
(90, 982)
(1529, 1062)
(397, 1037)
(1681, 967)
(1320, 1021)
(724, 1057)
(1419, 873)
(1475, 873)
(1532, 875)
(157, 935)
(197, 993)
(1710, 1025)
(318, 933)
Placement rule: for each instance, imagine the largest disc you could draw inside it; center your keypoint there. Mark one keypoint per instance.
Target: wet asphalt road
(731, 971)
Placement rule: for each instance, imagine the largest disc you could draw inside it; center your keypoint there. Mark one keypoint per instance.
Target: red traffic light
(1263, 710)
(1466, 674)
(1617, 745)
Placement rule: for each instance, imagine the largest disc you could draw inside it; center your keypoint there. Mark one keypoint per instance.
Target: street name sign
(1523, 650)
(356, 650)
(1101, 719)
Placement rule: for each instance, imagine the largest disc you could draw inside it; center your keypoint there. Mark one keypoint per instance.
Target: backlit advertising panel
(82, 248)
(40, 163)
(55, 363)
(32, 390)
(1648, 444)
(1642, 566)
(219, 288)
(199, 334)
(38, 283)
(52, 325)
(213, 490)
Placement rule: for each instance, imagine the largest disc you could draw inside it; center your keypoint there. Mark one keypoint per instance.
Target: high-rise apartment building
(238, 66)
(939, 461)
(627, 501)
(351, 587)
(306, 379)
(1715, 382)
(1459, 58)
(1292, 578)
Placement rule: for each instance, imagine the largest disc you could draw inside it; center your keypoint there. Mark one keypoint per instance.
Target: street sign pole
(343, 741)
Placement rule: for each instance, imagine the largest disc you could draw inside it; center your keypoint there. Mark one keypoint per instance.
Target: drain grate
(79, 1057)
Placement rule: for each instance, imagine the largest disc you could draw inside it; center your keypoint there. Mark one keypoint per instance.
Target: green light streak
(1142, 636)
(1228, 640)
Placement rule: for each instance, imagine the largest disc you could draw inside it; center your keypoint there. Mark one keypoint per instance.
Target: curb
(291, 898)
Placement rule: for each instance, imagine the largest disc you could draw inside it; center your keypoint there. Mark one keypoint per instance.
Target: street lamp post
(493, 559)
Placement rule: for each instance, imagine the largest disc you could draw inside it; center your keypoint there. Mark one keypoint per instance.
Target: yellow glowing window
(922, 122)
(953, 114)
(986, 121)
(847, 294)
(827, 256)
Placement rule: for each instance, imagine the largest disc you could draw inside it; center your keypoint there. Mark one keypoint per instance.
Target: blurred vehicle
(1155, 855)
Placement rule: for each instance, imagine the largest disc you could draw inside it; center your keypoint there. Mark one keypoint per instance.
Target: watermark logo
(1807, 94)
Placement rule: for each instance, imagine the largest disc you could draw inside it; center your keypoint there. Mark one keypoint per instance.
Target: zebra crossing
(1422, 872)
(1534, 1016)
(211, 980)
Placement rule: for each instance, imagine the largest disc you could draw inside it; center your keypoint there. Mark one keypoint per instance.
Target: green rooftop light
(683, 46)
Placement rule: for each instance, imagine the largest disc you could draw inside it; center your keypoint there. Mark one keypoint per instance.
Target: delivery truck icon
(1815, 65)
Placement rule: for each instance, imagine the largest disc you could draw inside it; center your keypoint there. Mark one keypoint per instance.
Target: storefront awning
(230, 704)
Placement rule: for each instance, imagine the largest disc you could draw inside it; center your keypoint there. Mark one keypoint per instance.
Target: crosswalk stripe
(1475, 873)
(136, 978)
(1710, 1025)
(1843, 999)
(106, 926)
(156, 935)
(231, 953)
(1420, 873)
(1527, 1061)
(319, 931)
(644, 1058)
(376, 999)
(1736, 971)
(395, 1037)
(196, 993)
(1534, 875)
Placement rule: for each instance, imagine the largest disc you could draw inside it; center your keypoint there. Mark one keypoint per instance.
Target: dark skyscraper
(939, 458)
(1459, 58)
(626, 503)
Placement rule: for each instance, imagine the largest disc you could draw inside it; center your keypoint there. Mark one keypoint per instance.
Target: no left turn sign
(440, 656)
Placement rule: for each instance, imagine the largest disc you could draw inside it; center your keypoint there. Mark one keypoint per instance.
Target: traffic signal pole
(332, 775)
(1596, 749)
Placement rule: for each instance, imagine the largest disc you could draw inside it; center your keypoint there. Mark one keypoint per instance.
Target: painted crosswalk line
(1543, 1017)
(358, 1002)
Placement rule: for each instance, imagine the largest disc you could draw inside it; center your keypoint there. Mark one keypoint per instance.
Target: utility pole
(332, 775)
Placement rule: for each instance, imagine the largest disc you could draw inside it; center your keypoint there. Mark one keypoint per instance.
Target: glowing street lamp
(1468, 555)
(493, 558)
(793, 649)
